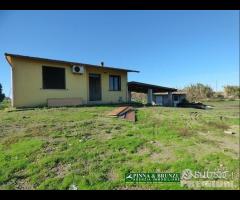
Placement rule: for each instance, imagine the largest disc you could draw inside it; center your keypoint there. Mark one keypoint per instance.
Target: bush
(197, 92)
(6, 103)
(232, 92)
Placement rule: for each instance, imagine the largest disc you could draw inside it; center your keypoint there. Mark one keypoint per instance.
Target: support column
(149, 97)
(129, 96)
(170, 102)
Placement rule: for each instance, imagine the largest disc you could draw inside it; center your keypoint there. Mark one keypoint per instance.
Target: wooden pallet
(130, 116)
(126, 112)
(117, 111)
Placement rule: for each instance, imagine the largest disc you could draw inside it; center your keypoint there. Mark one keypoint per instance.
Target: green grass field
(56, 148)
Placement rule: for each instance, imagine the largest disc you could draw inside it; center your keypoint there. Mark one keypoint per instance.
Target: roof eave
(155, 87)
(67, 62)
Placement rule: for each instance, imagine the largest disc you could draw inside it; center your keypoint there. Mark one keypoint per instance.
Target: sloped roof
(67, 62)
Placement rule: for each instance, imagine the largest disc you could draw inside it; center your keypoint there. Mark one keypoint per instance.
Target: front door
(95, 93)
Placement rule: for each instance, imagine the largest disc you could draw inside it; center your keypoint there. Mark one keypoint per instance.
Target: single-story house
(41, 81)
(162, 98)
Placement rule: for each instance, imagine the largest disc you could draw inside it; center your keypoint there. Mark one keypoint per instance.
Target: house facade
(40, 81)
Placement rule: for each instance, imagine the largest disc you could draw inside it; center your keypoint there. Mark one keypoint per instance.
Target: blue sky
(170, 48)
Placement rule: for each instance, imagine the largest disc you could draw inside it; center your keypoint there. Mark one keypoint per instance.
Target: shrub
(196, 92)
(231, 91)
(6, 103)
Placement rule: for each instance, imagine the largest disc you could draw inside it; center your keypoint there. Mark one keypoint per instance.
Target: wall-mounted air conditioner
(77, 69)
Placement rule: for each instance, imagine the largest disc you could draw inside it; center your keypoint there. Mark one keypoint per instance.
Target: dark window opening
(175, 98)
(114, 83)
(53, 78)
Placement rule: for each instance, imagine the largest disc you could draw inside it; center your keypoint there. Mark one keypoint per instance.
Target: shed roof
(67, 62)
(143, 87)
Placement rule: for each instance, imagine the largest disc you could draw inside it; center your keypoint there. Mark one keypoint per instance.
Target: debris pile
(197, 105)
(230, 132)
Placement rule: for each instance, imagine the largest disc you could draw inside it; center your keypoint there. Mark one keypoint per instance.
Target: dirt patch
(234, 130)
(185, 132)
(230, 147)
(202, 149)
(104, 136)
(156, 144)
(162, 157)
(143, 151)
(166, 155)
(23, 184)
(48, 149)
(228, 144)
(112, 176)
(61, 169)
(219, 125)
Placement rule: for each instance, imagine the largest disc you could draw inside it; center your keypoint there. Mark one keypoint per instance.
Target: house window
(114, 83)
(53, 78)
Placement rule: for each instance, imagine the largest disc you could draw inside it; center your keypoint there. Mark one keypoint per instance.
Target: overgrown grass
(55, 148)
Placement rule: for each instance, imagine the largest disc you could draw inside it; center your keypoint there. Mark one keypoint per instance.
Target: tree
(232, 91)
(196, 92)
(2, 96)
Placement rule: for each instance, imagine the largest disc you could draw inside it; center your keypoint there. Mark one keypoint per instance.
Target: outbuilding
(162, 98)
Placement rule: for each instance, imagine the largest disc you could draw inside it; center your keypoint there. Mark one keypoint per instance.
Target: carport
(149, 90)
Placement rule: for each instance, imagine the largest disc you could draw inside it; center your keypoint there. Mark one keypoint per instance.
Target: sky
(169, 48)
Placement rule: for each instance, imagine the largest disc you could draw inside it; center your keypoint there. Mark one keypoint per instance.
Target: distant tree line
(199, 91)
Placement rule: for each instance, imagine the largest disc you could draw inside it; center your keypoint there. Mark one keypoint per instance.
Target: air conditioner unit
(77, 69)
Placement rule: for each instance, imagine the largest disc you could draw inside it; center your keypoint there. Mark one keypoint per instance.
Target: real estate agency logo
(152, 177)
(219, 178)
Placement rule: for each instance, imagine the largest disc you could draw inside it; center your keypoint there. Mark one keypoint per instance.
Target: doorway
(95, 89)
